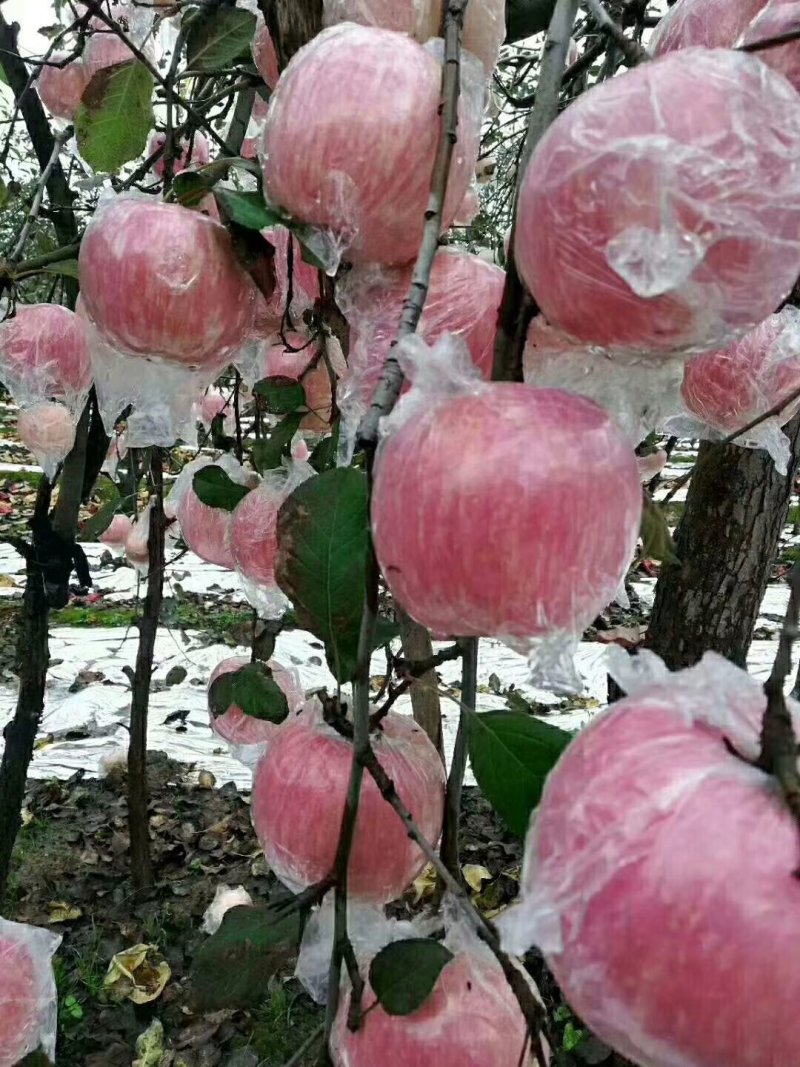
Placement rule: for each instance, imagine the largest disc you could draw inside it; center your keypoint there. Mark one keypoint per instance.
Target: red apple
(44, 352)
(188, 157)
(28, 1001)
(351, 135)
(661, 211)
(299, 794)
(61, 88)
(206, 530)
(237, 728)
(264, 55)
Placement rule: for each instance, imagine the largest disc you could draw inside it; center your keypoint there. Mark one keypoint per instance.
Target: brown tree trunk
(726, 541)
(425, 703)
(291, 23)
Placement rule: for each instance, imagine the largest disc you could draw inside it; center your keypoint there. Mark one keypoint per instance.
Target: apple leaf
(404, 973)
(115, 115)
(217, 36)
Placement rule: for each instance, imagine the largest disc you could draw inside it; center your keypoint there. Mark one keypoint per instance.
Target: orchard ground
(71, 866)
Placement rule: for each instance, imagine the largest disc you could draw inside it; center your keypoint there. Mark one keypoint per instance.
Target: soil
(71, 864)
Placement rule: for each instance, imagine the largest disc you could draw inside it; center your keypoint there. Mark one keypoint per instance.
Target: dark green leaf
(511, 755)
(324, 455)
(176, 675)
(248, 209)
(67, 267)
(217, 490)
(101, 520)
(403, 974)
(323, 539)
(657, 541)
(217, 36)
(115, 115)
(232, 968)
(386, 630)
(191, 187)
(281, 395)
(268, 452)
(253, 689)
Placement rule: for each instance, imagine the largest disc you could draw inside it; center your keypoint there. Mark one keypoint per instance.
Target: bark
(425, 703)
(138, 821)
(726, 541)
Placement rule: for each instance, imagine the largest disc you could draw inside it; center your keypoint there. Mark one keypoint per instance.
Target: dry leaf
(475, 876)
(138, 974)
(425, 884)
(206, 780)
(7, 582)
(61, 912)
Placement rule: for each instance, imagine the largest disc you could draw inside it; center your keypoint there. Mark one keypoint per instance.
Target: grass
(283, 1023)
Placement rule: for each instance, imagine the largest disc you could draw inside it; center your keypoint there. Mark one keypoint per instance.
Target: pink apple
(160, 280)
(299, 794)
(206, 530)
(471, 1019)
(264, 55)
(661, 211)
(44, 352)
(61, 88)
(237, 728)
(531, 535)
(28, 1000)
(351, 135)
(48, 430)
(117, 532)
(187, 157)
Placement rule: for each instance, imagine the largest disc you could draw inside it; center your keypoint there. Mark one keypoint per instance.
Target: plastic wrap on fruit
(246, 736)
(206, 529)
(484, 25)
(470, 1019)
(117, 532)
(529, 539)
(722, 24)
(137, 550)
(659, 870)
(212, 403)
(48, 430)
(725, 391)
(660, 213)
(463, 299)
(253, 540)
(104, 48)
(370, 931)
(301, 357)
(365, 181)
(117, 451)
(640, 395)
(307, 768)
(44, 355)
(61, 88)
(28, 999)
(188, 155)
(264, 55)
(292, 274)
(469, 207)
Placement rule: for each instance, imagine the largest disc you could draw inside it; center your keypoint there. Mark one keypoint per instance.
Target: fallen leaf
(138, 974)
(425, 884)
(206, 780)
(61, 912)
(150, 1046)
(7, 582)
(475, 876)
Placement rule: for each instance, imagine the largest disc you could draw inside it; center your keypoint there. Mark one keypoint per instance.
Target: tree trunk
(425, 703)
(138, 820)
(726, 541)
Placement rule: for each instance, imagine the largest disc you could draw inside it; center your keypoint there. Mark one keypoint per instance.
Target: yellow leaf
(138, 974)
(61, 912)
(425, 884)
(7, 582)
(475, 876)
(206, 780)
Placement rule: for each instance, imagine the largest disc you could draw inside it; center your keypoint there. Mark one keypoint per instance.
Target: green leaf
(268, 452)
(253, 689)
(281, 395)
(386, 630)
(248, 209)
(67, 267)
(5, 192)
(217, 36)
(403, 974)
(657, 541)
(324, 455)
(101, 520)
(232, 968)
(115, 115)
(217, 490)
(511, 755)
(191, 187)
(323, 539)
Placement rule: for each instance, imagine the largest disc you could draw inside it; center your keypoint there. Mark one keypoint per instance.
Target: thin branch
(771, 42)
(632, 51)
(517, 307)
(388, 390)
(458, 764)
(36, 205)
(297, 1059)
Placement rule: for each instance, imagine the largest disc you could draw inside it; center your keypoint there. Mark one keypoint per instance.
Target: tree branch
(632, 51)
(458, 764)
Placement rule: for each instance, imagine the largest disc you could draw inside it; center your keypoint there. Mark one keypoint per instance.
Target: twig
(632, 51)
(297, 1059)
(776, 409)
(458, 764)
(410, 671)
(778, 741)
(517, 307)
(36, 205)
(388, 390)
(771, 42)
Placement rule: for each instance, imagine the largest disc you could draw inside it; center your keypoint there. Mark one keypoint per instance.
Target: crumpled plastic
(225, 898)
(136, 548)
(203, 528)
(168, 306)
(544, 512)
(724, 391)
(470, 1019)
(117, 451)
(247, 737)
(660, 212)
(253, 538)
(658, 872)
(640, 395)
(484, 25)
(28, 999)
(307, 768)
(722, 24)
(363, 173)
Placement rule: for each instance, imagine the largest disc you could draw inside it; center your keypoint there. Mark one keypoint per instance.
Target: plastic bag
(28, 999)
(137, 551)
(44, 355)
(724, 391)
(307, 768)
(660, 212)
(252, 536)
(501, 510)
(48, 430)
(363, 173)
(658, 872)
(640, 395)
(484, 26)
